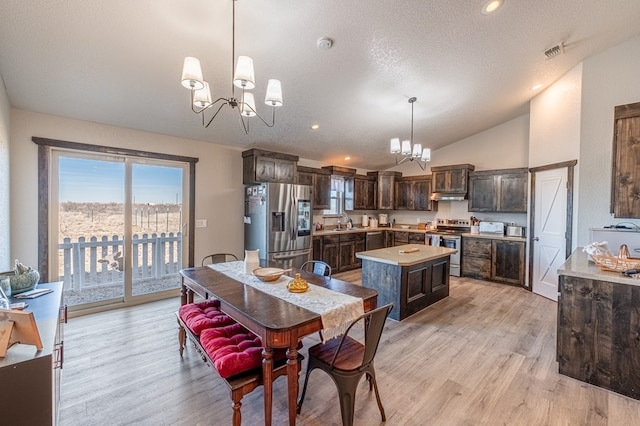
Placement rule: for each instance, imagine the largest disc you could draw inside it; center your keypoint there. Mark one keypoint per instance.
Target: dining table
(278, 323)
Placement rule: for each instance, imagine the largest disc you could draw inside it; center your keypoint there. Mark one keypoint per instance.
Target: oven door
(453, 242)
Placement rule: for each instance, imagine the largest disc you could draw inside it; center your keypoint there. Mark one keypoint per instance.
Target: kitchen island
(599, 326)
(412, 276)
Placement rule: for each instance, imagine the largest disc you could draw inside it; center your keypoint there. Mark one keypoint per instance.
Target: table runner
(336, 309)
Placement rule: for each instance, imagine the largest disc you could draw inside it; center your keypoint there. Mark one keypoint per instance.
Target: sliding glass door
(117, 227)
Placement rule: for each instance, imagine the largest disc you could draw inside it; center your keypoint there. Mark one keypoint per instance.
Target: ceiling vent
(554, 51)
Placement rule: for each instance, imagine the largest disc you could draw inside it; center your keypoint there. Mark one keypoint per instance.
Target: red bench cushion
(232, 349)
(203, 315)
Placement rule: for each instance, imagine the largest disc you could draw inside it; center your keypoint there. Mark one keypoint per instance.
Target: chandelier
(243, 78)
(421, 156)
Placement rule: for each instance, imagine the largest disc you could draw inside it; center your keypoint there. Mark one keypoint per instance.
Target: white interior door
(549, 239)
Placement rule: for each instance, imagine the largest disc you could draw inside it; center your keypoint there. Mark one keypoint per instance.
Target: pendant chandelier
(243, 79)
(416, 153)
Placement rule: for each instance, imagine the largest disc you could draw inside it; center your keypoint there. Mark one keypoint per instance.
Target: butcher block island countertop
(412, 276)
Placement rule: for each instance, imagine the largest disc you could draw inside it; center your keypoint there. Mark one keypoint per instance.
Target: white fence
(154, 256)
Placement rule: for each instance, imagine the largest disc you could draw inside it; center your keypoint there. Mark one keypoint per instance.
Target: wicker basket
(620, 263)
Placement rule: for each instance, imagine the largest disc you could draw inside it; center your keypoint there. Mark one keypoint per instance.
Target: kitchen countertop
(578, 265)
(360, 229)
(494, 236)
(392, 255)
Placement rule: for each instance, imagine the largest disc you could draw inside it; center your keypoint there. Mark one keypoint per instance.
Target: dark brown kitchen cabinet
(316, 248)
(413, 193)
(261, 166)
(320, 180)
(625, 173)
(386, 188)
(494, 260)
(508, 262)
(451, 179)
(498, 191)
(339, 251)
(400, 238)
(365, 193)
(416, 238)
(476, 258)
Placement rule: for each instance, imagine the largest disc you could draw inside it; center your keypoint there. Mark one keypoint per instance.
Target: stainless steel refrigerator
(277, 221)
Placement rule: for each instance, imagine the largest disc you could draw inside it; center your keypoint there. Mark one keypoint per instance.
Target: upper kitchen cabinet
(498, 191)
(413, 193)
(365, 192)
(265, 166)
(343, 178)
(320, 180)
(625, 179)
(386, 188)
(450, 180)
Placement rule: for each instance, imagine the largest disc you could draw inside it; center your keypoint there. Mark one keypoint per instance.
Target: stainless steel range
(448, 234)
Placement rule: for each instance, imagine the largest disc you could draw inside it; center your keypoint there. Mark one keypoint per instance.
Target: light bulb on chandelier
(417, 153)
(243, 78)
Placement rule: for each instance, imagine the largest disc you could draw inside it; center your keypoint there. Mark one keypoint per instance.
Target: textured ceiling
(119, 62)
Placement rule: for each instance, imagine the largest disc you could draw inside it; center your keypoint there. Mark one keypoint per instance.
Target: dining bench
(233, 352)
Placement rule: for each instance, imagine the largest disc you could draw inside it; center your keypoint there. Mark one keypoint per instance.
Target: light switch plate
(201, 223)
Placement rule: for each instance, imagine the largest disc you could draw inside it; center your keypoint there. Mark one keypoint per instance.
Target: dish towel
(336, 309)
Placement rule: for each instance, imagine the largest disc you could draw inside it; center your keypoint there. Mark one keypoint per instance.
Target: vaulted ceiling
(119, 62)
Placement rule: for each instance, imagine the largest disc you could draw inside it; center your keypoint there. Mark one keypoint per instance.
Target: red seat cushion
(232, 349)
(203, 315)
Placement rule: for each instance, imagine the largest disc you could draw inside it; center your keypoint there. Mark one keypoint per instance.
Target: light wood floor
(483, 356)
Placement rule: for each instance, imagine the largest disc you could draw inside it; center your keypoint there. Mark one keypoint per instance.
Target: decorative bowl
(269, 274)
(24, 282)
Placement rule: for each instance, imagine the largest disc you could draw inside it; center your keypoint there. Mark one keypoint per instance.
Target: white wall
(554, 135)
(5, 186)
(609, 79)
(219, 189)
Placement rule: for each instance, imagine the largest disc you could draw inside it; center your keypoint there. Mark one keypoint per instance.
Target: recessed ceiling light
(315, 127)
(536, 86)
(491, 6)
(347, 158)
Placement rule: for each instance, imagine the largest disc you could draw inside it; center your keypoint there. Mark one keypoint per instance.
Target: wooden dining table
(278, 323)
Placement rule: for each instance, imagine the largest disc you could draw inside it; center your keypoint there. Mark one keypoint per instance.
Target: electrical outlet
(201, 223)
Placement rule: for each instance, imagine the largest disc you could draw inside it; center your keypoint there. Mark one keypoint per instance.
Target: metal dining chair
(346, 360)
(318, 267)
(219, 258)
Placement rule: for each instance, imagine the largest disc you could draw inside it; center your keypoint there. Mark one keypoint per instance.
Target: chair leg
(347, 393)
(372, 380)
(304, 387)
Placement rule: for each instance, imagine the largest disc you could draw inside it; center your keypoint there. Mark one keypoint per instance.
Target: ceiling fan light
(202, 97)
(244, 77)
(406, 148)
(426, 155)
(192, 74)
(248, 105)
(395, 146)
(274, 93)
(417, 150)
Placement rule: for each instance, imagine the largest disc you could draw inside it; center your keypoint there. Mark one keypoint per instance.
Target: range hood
(448, 196)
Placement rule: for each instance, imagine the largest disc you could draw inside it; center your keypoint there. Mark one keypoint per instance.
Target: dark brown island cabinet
(30, 379)
(598, 326)
(412, 277)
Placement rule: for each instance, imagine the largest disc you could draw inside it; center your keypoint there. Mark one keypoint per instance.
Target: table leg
(183, 293)
(267, 379)
(292, 379)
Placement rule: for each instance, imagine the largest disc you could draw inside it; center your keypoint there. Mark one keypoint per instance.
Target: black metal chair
(346, 360)
(318, 267)
(219, 258)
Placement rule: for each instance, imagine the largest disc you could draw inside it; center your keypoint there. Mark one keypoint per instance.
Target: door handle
(536, 239)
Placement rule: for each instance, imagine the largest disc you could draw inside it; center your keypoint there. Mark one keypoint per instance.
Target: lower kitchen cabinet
(508, 262)
(339, 251)
(476, 258)
(494, 260)
(400, 238)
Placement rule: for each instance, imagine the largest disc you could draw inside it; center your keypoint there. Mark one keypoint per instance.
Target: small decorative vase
(251, 261)
(298, 285)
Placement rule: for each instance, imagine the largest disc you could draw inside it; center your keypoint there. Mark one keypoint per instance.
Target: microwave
(516, 231)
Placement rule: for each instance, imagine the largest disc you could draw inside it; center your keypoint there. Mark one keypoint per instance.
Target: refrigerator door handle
(293, 217)
(291, 256)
